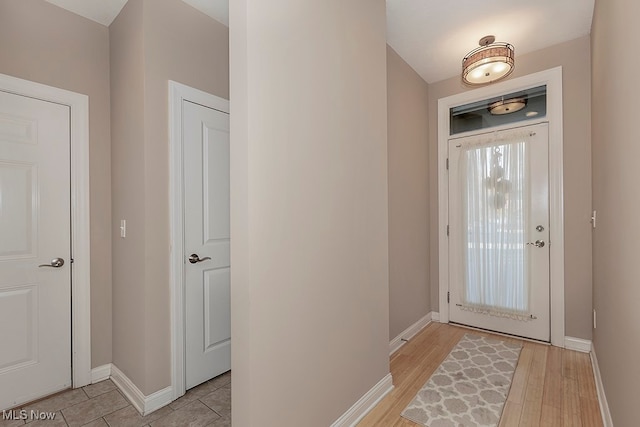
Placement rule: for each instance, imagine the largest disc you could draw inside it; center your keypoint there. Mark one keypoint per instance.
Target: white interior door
(499, 231)
(35, 302)
(207, 240)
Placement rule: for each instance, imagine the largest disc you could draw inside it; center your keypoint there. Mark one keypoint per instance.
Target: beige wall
(408, 135)
(152, 42)
(310, 296)
(616, 175)
(46, 44)
(574, 57)
(128, 167)
(184, 45)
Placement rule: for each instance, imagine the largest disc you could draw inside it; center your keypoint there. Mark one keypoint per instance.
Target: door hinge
(448, 297)
(447, 230)
(447, 164)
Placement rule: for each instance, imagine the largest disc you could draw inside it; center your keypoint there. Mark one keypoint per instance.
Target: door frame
(552, 78)
(80, 222)
(177, 94)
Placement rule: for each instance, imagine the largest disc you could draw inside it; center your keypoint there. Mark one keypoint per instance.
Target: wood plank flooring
(551, 386)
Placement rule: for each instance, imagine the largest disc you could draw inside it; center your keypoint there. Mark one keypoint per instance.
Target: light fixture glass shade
(488, 64)
(507, 106)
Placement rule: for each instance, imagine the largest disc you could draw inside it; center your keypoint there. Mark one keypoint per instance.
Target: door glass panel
(494, 217)
(500, 110)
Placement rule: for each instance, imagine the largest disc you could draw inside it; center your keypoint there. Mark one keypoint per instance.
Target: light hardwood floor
(551, 386)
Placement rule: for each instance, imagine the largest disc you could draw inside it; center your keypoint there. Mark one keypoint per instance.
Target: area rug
(470, 387)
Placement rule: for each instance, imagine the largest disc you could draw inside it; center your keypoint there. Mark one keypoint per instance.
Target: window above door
(500, 110)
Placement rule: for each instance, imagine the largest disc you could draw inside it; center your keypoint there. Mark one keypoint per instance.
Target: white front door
(499, 231)
(35, 248)
(206, 243)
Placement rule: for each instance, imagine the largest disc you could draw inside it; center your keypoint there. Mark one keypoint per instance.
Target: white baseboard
(577, 344)
(158, 400)
(100, 373)
(435, 316)
(128, 388)
(602, 399)
(366, 403)
(409, 333)
(143, 404)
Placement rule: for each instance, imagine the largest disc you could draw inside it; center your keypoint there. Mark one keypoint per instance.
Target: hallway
(551, 386)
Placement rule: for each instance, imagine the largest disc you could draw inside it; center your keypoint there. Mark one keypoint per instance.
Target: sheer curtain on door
(495, 176)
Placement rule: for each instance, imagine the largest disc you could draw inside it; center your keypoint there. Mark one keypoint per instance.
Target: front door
(206, 243)
(35, 249)
(499, 231)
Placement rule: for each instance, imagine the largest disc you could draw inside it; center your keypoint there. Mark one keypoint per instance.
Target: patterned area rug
(470, 387)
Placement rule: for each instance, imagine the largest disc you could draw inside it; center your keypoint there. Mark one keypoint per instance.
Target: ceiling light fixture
(488, 63)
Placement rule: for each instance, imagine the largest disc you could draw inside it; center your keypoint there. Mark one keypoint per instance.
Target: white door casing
(35, 302)
(178, 94)
(536, 259)
(552, 78)
(207, 238)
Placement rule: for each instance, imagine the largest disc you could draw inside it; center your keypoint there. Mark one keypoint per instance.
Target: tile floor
(102, 404)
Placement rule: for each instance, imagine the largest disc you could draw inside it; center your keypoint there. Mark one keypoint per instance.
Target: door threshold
(474, 328)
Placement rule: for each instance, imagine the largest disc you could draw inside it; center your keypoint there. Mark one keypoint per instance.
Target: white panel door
(35, 302)
(207, 240)
(499, 231)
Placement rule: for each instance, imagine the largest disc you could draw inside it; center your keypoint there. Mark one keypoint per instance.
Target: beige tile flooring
(102, 404)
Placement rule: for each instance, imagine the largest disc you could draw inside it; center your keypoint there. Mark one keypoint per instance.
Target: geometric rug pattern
(470, 386)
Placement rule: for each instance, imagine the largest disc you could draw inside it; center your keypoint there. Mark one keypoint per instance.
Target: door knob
(55, 263)
(537, 243)
(194, 258)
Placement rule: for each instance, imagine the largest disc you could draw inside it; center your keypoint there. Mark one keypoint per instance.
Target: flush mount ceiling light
(507, 106)
(488, 63)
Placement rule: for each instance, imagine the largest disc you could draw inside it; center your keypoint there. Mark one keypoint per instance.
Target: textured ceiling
(431, 35)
